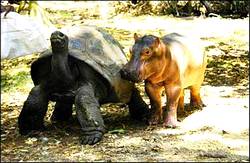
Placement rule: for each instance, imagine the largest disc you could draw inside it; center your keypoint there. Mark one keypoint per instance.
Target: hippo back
(188, 52)
(192, 47)
(102, 52)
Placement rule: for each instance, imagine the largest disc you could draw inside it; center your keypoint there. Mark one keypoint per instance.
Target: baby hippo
(173, 62)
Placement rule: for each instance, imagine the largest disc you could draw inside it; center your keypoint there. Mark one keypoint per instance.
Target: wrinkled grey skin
(70, 76)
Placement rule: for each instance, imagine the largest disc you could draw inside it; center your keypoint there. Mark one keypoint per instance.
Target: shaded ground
(219, 132)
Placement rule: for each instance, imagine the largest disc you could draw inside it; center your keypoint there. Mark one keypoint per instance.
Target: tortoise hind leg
(138, 109)
(33, 111)
(62, 112)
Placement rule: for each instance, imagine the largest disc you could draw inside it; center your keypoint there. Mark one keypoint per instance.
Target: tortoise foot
(91, 138)
(92, 135)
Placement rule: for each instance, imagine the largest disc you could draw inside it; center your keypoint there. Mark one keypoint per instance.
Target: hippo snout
(129, 75)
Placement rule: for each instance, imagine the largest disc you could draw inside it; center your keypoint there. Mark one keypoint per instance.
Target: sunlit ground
(225, 120)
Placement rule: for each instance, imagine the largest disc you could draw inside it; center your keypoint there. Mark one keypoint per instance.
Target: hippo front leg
(154, 94)
(89, 115)
(173, 96)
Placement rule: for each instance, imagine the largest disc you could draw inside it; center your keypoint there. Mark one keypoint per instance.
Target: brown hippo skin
(173, 62)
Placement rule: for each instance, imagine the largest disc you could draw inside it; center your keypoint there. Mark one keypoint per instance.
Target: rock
(44, 139)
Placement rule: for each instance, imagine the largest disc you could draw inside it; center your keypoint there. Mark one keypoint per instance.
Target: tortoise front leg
(33, 112)
(89, 115)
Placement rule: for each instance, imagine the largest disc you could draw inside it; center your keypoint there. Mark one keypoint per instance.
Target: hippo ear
(130, 50)
(157, 42)
(136, 37)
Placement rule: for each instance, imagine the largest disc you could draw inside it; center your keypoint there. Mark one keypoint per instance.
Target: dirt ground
(218, 132)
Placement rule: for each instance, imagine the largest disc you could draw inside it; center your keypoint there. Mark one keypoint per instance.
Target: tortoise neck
(60, 66)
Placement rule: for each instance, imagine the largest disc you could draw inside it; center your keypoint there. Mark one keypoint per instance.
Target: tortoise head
(59, 41)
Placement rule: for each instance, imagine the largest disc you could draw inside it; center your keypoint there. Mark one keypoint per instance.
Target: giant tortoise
(82, 68)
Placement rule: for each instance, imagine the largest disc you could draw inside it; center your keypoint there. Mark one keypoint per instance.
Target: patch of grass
(10, 82)
(63, 13)
(15, 73)
(227, 70)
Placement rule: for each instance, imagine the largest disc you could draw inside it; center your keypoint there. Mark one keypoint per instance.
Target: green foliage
(233, 8)
(141, 8)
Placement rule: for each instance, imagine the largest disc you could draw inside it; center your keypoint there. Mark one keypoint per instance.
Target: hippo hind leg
(62, 112)
(195, 99)
(181, 111)
(138, 109)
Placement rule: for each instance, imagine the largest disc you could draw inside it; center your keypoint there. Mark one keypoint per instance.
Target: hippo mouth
(131, 76)
(134, 80)
(137, 79)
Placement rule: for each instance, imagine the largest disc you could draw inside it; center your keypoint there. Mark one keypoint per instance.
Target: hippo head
(59, 41)
(145, 60)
